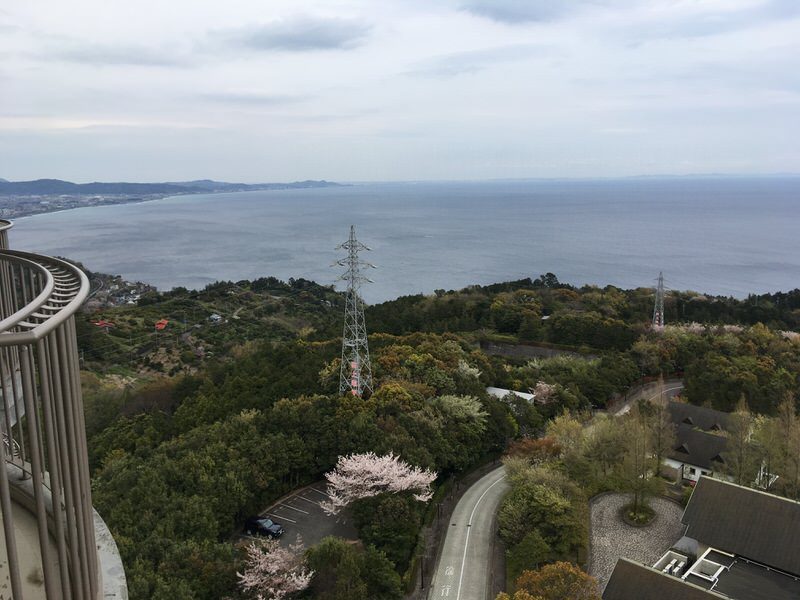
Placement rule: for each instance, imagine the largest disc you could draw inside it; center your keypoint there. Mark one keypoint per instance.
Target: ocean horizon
(723, 236)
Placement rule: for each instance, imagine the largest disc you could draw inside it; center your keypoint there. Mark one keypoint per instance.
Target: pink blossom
(365, 475)
(273, 572)
(543, 392)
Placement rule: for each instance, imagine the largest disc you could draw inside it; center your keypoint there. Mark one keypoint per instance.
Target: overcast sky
(347, 90)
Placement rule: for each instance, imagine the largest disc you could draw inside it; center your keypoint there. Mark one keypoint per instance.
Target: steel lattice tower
(355, 373)
(658, 309)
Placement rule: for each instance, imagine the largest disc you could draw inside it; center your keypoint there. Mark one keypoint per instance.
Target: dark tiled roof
(699, 417)
(747, 522)
(632, 581)
(698, 448)
(697, 441)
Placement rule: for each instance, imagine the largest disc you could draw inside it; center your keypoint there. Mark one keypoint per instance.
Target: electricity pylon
(658, 309)
(355, 373)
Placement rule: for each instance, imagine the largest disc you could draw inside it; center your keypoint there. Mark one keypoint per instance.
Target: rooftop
(699, 417)
(634, 581)
(759, 526)
(699, 448)
(741, 579)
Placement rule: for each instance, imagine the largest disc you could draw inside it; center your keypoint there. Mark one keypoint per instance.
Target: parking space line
(307, 500)
(281, 517)
(305, 512)
(320, 492)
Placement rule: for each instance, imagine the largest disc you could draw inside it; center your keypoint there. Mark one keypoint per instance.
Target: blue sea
(723, 236)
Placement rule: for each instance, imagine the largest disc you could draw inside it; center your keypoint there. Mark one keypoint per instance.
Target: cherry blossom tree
(273, 572)
(543, 393)
(364, 475)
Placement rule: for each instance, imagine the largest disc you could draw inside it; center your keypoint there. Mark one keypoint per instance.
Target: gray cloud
(524, 11)
(460, 63)
(301, 34)
(520, 11)
(113, 55)
(717, 22)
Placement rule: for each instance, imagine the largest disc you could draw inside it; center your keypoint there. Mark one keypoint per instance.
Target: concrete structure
(501, 393)
(54, 545)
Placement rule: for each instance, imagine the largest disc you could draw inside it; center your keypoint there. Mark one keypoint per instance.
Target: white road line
(307, 500)
(466, 542)
(320, 492)
(657, 394)
(305, 512)
(273, 515)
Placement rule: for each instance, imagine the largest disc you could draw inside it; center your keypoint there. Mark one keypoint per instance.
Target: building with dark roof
(763, 527)
(746, 542)
(700, 442)
(631, 580)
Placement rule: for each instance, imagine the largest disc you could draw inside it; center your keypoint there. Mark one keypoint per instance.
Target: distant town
(25, 198)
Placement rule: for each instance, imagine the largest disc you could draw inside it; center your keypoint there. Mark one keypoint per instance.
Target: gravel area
(611, 537)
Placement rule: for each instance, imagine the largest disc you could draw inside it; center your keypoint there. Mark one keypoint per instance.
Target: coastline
(18, 219)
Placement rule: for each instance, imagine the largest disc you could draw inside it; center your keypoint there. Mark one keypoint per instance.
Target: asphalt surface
(301, 515)
(464, 570)
(651, 393)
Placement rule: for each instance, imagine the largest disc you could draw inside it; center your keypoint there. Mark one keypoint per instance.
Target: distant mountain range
(45, 187)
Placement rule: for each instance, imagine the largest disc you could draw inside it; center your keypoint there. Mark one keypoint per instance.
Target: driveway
(611, 537)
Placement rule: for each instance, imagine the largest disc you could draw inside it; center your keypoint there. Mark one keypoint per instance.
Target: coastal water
(719, 236)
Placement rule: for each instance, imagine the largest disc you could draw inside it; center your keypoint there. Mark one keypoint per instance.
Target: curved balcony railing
(43, 437)
(4, 227)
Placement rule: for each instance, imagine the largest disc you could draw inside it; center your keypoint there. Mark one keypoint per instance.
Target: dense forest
(194, 427)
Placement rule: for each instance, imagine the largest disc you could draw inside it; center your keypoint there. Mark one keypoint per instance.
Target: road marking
(449, 570)
(664, 391)
(307, 500)
(281, 518)
(466, 542)
(320, 492)
(305, 512)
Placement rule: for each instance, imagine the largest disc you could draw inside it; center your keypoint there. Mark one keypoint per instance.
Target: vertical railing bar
(45, 369)
(38, 483)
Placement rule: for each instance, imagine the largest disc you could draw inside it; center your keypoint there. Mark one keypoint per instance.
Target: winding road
(465, 563)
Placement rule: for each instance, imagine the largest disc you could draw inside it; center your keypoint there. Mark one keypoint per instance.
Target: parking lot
(300, 514)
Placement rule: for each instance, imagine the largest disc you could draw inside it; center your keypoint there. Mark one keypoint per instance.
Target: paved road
(465, 564)
(651, 393)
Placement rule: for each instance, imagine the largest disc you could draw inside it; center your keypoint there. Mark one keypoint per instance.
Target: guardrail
(43, 447)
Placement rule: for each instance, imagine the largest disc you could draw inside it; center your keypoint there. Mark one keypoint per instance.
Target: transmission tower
(355, 373)
(658, 310)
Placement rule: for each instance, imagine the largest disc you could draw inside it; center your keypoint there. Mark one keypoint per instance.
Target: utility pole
(355, 373)
(658, 310)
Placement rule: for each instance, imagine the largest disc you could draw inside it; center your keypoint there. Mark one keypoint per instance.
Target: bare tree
(788, 425)
(636, 462)
(740, 456)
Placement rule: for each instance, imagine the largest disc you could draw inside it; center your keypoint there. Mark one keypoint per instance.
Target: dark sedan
(263, 526)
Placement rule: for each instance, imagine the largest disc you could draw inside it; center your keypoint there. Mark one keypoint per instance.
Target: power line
(355, 373)
(658, 309)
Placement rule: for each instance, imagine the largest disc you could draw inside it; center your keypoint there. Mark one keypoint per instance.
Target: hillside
(44, 187)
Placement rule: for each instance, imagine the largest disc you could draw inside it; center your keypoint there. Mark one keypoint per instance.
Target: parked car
(263, 526)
